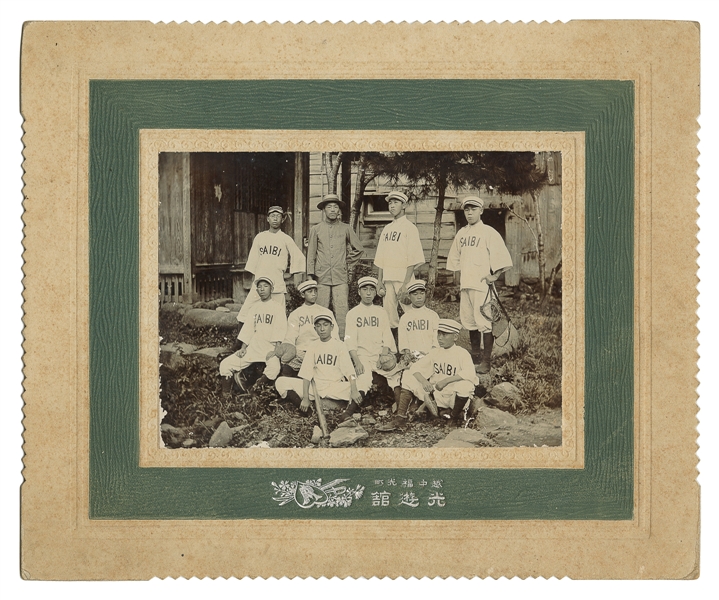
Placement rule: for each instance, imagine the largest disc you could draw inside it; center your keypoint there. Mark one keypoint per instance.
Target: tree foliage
(431, 173)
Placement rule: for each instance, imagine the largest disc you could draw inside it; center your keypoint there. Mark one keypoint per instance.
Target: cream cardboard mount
(618, 499)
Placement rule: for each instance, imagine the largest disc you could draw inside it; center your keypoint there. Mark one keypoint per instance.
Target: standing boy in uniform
(301, 332)
(399, 252)
(328, 260)
(270, 254)
(328, 363)
(444, 378)
(260, 335)
(479, 252)
(368, 334)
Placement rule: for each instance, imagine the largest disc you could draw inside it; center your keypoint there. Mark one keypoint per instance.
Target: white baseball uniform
(330, 365)
(399, 247)
(366, 332)
(477, 251)
(270, 255)
(439, 364)
(266, 324)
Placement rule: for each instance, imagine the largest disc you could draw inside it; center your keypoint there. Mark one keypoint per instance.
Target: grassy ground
(191, 398)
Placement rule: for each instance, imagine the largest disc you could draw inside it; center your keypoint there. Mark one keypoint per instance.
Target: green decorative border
(604, 110)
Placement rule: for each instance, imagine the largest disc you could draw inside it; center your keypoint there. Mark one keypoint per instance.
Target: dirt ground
(194, 407)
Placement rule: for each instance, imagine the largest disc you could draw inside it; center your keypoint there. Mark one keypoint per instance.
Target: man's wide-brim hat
(331, 198)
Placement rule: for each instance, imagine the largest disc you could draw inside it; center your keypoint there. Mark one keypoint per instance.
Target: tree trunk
(541, 259)
(333, 168)
(434, 256)
(359, 193)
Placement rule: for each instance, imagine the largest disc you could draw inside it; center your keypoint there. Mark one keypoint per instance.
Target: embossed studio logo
(313, 493)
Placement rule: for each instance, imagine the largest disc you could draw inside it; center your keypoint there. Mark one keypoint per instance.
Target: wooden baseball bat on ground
(320, 412)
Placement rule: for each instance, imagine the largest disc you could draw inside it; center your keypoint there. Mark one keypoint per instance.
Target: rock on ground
(204, 317)
(174, 307)
(172, 360)
(464, 438)
(222, 436)
(316, 435)
(329, 404)
(178, 347)
(346, 436)
(506, 396)
(492, 418)
(209, 355)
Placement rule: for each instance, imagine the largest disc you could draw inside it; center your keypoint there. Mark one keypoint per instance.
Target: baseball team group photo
(360, 299)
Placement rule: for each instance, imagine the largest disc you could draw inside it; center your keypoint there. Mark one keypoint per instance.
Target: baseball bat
(320, 412)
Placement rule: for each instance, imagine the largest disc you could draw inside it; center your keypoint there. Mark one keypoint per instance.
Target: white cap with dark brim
(306, 285)
(417, 285)
(449, 326)
(263, 278)
(363, 281)
(472, 201)
(277, 209)
(321, 316)
(397, 196)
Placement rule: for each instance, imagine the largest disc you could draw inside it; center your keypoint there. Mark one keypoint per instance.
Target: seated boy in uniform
(444, 378)
(368, 334)
(301, 331)
(328, 362)
(417, 332)
(260, 335)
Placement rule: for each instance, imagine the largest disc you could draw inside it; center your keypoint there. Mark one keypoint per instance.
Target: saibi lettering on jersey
(264, 318)
(392, 236)
(326, 359)
(418, 325)
(272, 250)
(367, 322)
(471, 241)
(445, 369)
(305, 321)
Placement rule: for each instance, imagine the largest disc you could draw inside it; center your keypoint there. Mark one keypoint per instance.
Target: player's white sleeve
(307, 370)
(298, 264)
(253, 257)
(499, 257)
(293, 329)
(453, 257)
(415, 254)
(279, 325)
(351, 332)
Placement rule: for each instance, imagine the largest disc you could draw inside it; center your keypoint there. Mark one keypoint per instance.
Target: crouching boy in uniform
(417, 333)
(301, 331)
(328, 362)
(260, 335)
(367, 333)
(444, 378)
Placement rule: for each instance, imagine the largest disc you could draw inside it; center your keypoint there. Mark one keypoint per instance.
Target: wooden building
(212, 204)
(511, 216)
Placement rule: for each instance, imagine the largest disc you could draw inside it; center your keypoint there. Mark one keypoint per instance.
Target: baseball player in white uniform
(417, 334)
(445, 378)
(271, 253)
(399, 252)
(260, 335)
(367, 333)
(301, 332)
(328, 362)
(479, 253)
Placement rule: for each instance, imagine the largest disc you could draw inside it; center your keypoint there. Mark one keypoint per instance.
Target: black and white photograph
(336, 299)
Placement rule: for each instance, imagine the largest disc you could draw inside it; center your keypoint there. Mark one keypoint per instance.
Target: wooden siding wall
(212, 205)
(170, 222)
(420, 213)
